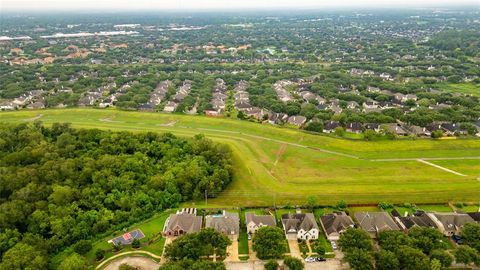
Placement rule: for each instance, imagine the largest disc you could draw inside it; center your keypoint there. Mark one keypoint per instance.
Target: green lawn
(463, 88)
(281, 166)
(435, 208)
(243, 242)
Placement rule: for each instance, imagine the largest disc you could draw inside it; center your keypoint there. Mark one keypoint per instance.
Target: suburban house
(335, 224)
(297, 120)
(183, 222)
(396, 129)
(354, 127)
(450, 223)
(277, 118)
(226, 223)
(300, 226)
(255, 222)
(376, 222)
(373, 126)
(475, 216)
(330, 126)
(418, 219)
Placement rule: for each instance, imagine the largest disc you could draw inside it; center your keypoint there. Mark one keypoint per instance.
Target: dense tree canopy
(59, 185)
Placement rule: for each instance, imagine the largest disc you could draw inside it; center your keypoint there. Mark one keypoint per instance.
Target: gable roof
(336, 222)
(376, 221)
(227, 222)
(265, 220)
(185, 221)
(297, 222)
(475, 216)
(452, 221)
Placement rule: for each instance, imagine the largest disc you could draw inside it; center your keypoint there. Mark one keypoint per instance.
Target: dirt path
(135, 261)
(128, 253)
(279, 154)
(34, 118)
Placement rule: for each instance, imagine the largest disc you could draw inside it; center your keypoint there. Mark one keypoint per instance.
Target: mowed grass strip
(271, 169)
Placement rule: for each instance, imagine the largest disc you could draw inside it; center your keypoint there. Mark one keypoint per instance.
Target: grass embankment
(279, 166)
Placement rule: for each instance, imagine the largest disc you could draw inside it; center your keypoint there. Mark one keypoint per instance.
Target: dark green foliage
(82, 246)
(271, 265)
(195, 245)
(192, 265)
(293, 263)
(269, 243)
(60, 185)
(359, 259)
(99, 254)
(314, 126)
(412, 259)
(355, 239)
(466, 255)
(442, 256)
(386, 260)
(471, 235)
(135, 243)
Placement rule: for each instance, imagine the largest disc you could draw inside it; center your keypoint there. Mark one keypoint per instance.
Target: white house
(254, 222)
(300, 226)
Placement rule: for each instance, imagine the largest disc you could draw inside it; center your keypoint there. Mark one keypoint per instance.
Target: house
(419, 131)
(212, 113)
(36, 105)
(450, 223)
(370, 105)
(183, 222)
(376, 222)
(300, 226)
(355, 127)
(452, 129)
(297, 120)
(335, 224)
(226, 223)
(396, 129)
(145, 107)
(171, 106)
(254, 222)
(399, 97)
(372, 126)
(352, 105)
(475, 216)
(330, 126)
(418, 219)
(6, 105)
(277, 118)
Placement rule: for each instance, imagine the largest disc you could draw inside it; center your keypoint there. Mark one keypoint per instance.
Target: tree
(341, 205)
(354, 238)
(471, 235)
(293, 263)
(359, 259)
(426, 239)
(23, 256)
(184, 247)
(135, 243)
(391, 240)
(315, 126)
(82, 247)
(442, 256)
(311, 202)
(99, 254)
(216, 241)
(412, 258)
(465, 255)
(269, 243)
(386, 260)
(437, 134)
(192, 265)
(435, 264)
(271, 265)
(73, 262)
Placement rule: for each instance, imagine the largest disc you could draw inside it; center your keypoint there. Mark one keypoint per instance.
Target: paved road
(107, 261)
(135, 261)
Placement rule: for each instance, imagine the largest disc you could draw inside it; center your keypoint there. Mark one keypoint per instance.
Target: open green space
(463, 88)
(281, 166)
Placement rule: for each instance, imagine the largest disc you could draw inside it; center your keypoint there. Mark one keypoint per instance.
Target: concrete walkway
(135, 261)
(440, 167)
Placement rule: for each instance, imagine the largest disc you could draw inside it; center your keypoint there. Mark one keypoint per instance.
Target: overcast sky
(112, 5)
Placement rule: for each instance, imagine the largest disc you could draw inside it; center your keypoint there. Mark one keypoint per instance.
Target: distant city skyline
(128, 5)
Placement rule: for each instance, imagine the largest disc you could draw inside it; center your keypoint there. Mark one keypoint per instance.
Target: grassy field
(282, 166)
(463, 88)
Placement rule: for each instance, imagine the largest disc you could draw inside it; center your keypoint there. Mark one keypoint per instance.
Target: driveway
(135, 261)
(168, 240)
(251, 254)
(232, 252)
(294, 249)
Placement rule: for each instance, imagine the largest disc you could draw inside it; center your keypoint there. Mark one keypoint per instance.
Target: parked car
(334, 245)
(310, 260)
(320, 259)
(249, 236)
